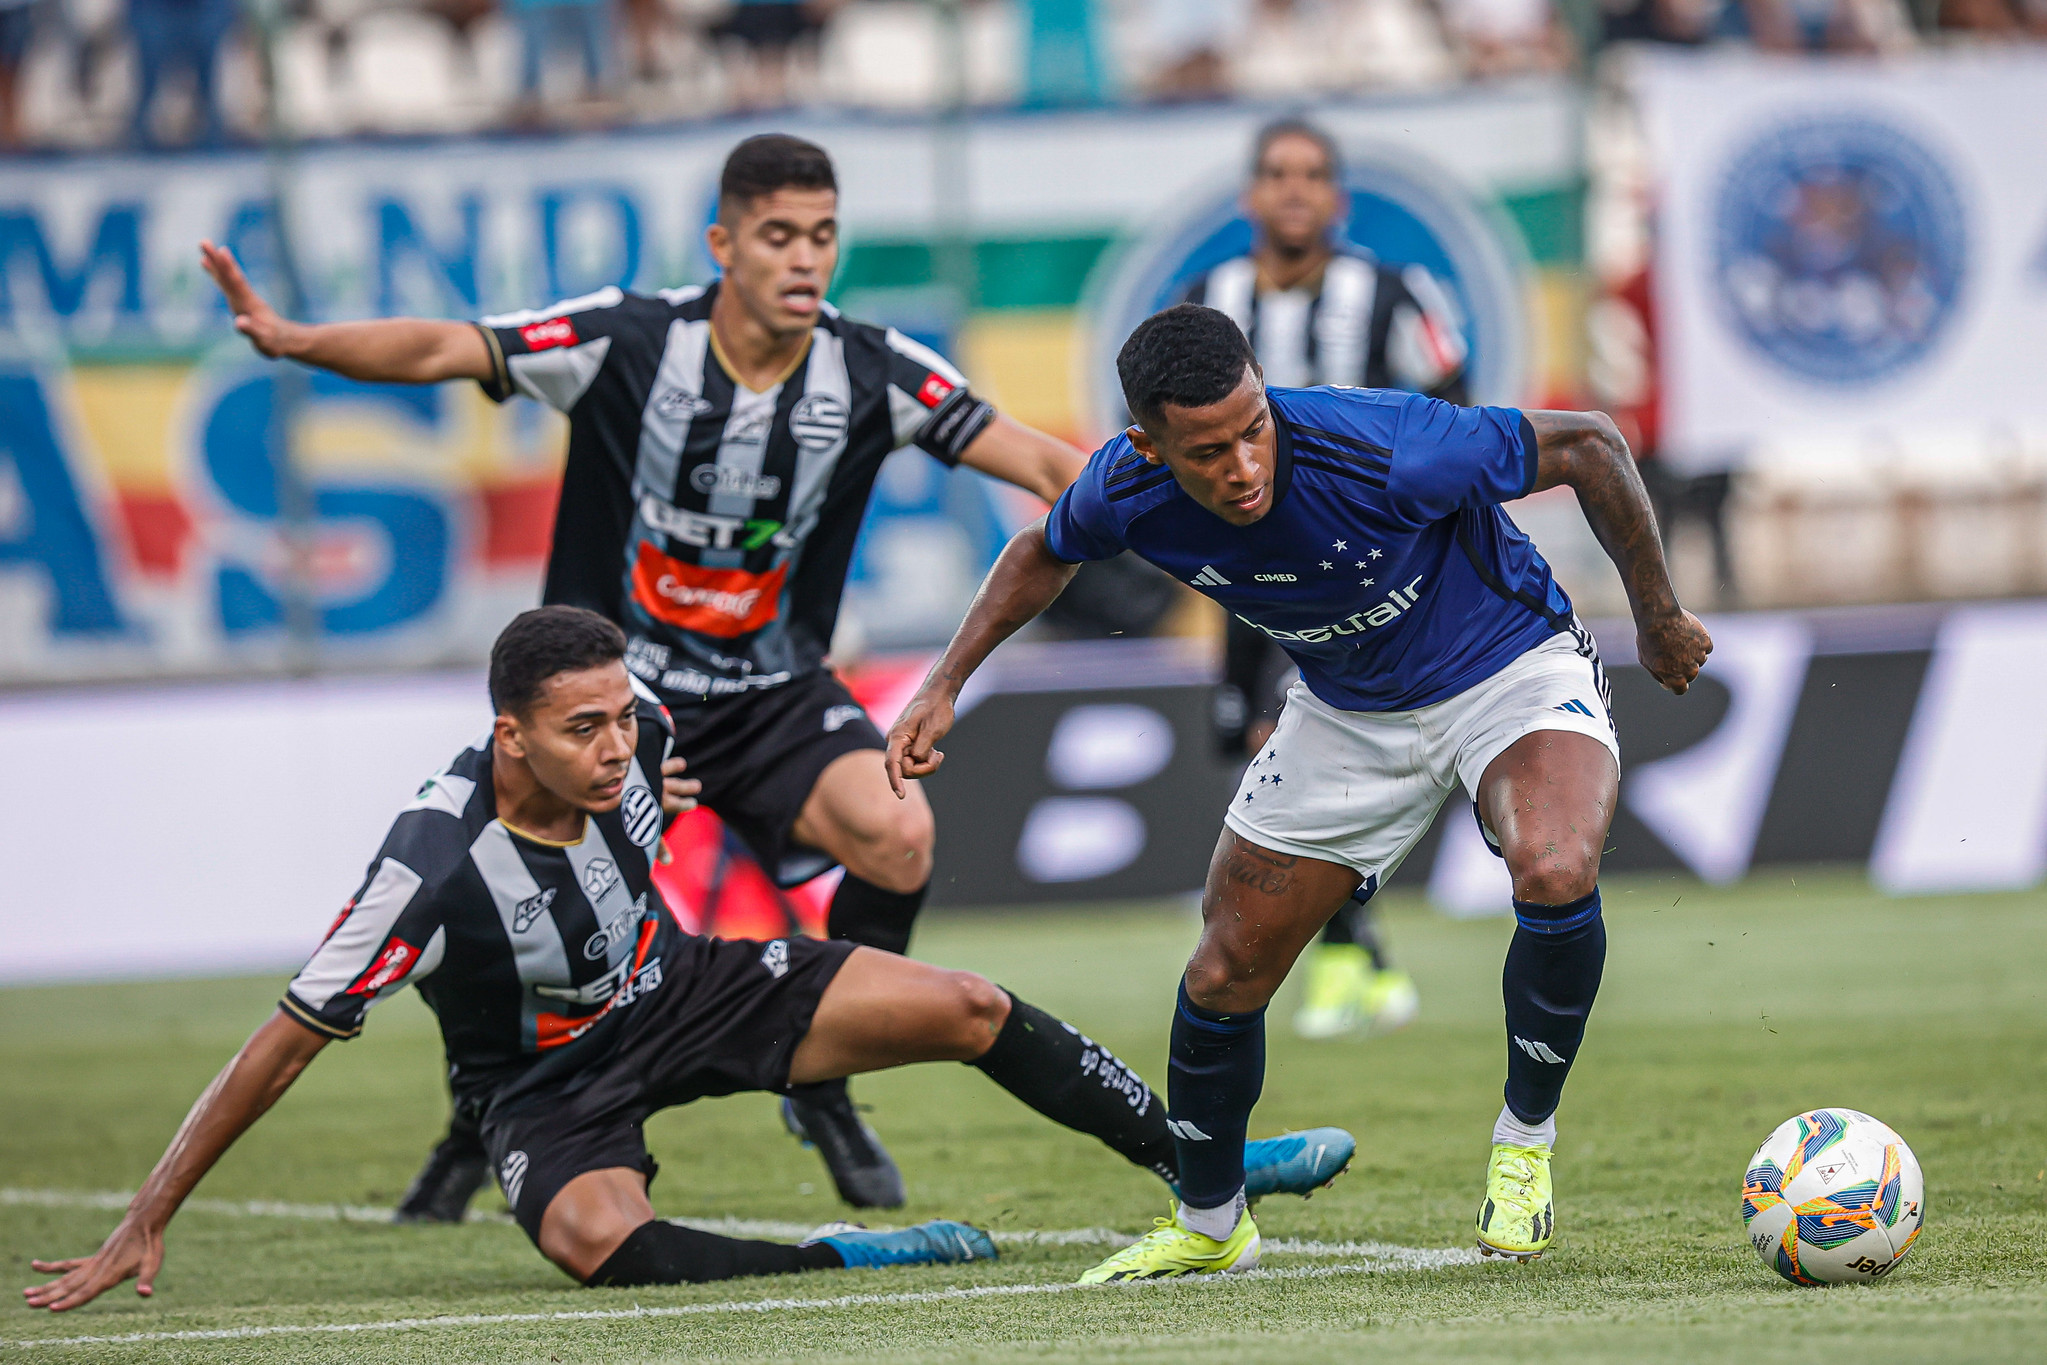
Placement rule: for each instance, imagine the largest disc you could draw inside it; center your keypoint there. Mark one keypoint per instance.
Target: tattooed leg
(1260, 909)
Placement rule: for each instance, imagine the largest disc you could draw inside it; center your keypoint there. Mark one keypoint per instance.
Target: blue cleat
(1296, 1163)
(939, 1242)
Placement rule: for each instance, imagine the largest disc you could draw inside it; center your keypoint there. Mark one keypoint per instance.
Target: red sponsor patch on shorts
(720, 602)
(935, 391)
(540, 336)
(391, 965)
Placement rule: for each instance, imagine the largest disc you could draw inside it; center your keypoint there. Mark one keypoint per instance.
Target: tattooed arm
(1585, 451)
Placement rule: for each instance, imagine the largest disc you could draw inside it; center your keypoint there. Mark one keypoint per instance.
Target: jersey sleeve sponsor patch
(391, 965)
(717, 602)
(540, 336)
(935, 390)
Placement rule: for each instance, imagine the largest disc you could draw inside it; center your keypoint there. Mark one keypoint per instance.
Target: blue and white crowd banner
(1847, 250)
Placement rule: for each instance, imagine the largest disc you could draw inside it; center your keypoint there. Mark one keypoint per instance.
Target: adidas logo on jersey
(1574, 706)
(1209, 578)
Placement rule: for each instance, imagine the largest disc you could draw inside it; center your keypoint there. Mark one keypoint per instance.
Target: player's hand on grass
(678, 793)
(911, 740)
(1674, 649)
(254, 318)
(131, 1250)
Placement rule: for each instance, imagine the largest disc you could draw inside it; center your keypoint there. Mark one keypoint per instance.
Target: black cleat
(440, 1193)
(822, 1116)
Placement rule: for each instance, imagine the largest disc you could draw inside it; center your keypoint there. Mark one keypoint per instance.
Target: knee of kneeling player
(897, 857)
(980, 1010)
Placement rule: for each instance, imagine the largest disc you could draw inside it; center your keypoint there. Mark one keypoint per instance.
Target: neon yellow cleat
(1518, 1218)
(1339, 978)
(1391, 1001)
(1169, 1250)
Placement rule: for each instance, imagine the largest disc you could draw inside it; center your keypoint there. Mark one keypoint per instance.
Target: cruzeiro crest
(1839, 247)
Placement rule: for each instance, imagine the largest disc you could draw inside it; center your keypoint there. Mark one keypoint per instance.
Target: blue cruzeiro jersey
(1385, 568)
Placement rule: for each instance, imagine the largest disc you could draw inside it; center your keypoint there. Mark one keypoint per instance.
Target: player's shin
(873, 917)
(1551, 977)
(662, 1253)
(1075, 1081)
(1216, 1074)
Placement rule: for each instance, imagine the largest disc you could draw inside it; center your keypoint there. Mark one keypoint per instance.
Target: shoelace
(1520, 1171)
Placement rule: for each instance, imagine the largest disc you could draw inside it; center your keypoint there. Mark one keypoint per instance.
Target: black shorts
(728, 1018)
(771, 26)
(758, 754)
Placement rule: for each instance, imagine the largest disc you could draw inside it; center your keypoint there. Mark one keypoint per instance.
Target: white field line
(1407, 1258)
(113, 1201)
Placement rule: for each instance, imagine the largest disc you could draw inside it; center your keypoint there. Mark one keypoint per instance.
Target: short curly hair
(1188, 356)
(543, 642)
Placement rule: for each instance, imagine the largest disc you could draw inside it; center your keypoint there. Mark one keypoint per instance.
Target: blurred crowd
(153, 72)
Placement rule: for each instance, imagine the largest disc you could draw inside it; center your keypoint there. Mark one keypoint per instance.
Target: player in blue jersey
(1361, 529)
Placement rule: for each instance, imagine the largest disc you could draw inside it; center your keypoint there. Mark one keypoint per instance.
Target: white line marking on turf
(1405, 1258)
(1420, 1258)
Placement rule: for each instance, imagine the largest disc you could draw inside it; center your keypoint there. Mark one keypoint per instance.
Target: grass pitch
(1723, 1013)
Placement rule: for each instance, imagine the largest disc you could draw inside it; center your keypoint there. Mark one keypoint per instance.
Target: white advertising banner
(1848, 250)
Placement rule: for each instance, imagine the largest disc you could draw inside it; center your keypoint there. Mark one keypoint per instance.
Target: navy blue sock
(1215, 1077)
(1552, 975)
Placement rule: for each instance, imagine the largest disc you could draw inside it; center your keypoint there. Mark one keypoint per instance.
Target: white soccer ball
(1833, 1197)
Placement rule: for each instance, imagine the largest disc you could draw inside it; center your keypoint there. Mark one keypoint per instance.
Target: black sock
(1071, 1079)
(1217, 1073)
(662, 1253)
(1552, 974)
(1364, 931)
(865, 914)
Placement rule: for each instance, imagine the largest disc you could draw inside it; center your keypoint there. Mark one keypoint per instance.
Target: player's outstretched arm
(1587, 452)
(245, 1088)
(1025, 580)
(382, 351)
(1008, 450)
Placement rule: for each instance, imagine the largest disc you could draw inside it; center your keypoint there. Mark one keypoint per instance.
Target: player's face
(580, 736)
(779, 255)
(1294, 199)
(1223, 455)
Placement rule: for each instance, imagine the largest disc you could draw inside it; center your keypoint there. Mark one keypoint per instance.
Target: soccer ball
(1833, 1197)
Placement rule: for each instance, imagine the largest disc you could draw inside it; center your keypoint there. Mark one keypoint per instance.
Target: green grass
(1724, 1012)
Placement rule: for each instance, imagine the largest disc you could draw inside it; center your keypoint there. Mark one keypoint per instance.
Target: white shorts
(1360, 787)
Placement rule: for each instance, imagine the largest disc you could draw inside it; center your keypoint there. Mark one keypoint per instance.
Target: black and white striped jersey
(1361, 323)
(714, 523)
(520, 946)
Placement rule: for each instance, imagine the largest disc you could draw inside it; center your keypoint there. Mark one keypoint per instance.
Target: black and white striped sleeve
(388, 935)
(929, 403)
(555, 354)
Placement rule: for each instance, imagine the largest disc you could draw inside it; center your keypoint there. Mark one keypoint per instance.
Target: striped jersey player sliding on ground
(723, 440)
(514, 891)
(1361, 529)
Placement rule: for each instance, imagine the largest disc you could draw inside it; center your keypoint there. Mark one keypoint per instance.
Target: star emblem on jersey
(1341, 546)
(1327, 565)
(1374, 554)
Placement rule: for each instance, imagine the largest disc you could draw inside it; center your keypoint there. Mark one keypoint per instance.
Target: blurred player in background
(723, 440)
(516, 892)
(1318, 311)
(1362, 529)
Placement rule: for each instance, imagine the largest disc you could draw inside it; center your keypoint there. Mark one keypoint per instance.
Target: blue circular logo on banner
(1839, 248)
(1402, 211)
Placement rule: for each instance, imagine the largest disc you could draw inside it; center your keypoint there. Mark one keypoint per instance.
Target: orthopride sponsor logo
(1357, 623)
(717, 602)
